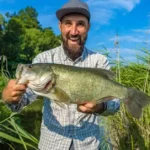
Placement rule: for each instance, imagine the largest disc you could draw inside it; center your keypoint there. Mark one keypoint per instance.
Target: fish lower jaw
(48, 86)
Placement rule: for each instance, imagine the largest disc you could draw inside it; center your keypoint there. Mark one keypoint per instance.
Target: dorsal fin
(103, 72)
(107, 73)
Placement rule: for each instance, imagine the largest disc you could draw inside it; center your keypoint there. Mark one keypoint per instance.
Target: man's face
(74, 30)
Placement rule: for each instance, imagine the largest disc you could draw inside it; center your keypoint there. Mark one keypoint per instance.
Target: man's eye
(81, 24)
(67, 23)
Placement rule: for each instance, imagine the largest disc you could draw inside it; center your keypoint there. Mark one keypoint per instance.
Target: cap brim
(65, 11)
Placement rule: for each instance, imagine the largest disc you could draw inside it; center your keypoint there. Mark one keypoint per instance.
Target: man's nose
(74, 30)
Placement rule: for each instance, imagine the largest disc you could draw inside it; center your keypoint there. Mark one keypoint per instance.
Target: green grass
(12, 132)
(13, 135)
(128, 133)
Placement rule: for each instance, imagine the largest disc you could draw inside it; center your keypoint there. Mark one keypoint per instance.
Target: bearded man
(75, 127)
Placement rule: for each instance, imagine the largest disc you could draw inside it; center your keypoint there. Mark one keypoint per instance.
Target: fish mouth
(48, 86)
(43, 86)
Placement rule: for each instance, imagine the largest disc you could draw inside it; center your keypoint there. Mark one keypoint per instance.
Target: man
(73, 127)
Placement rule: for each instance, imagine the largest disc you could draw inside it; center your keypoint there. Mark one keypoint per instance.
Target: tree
(2, 31)
(36, 41)
(1, 28)
(29, 17)
(22, 37)
(11, 39)
(2, 22)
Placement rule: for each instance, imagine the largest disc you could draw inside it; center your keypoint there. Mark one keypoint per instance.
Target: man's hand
(13, 92)
(90, 107)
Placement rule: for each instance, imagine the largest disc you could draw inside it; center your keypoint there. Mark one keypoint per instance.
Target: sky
(116, 25)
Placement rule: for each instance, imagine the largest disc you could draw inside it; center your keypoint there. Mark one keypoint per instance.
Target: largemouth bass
(70, 84)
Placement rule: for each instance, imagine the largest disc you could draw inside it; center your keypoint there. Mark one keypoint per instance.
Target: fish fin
(103, 72)
(135, 101)
(104, 99)
(60, 96)
(107, 73)
(52, 96)
(60, 104)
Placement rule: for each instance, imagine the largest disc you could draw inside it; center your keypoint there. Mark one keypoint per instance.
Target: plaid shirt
(63, 126)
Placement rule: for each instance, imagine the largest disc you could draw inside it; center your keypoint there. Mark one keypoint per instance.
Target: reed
(128, 133)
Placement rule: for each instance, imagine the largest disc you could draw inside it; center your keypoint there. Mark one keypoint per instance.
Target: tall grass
(12, 134)
(128, 133)
(11, 131)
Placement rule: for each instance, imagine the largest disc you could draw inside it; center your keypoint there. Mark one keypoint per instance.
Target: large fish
(70, 84)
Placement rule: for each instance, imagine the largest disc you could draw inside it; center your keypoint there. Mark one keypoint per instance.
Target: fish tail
(136, 101)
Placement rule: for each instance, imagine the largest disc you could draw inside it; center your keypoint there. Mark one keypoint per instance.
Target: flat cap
(73, 6)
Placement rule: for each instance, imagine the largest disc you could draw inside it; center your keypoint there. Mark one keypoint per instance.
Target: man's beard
(74, 51)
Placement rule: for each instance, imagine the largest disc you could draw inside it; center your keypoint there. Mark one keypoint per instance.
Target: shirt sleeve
(112, 105)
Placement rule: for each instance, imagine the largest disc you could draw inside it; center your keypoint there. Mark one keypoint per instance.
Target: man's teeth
(73, 39)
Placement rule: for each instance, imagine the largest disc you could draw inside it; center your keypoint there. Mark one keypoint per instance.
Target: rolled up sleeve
(112, 107)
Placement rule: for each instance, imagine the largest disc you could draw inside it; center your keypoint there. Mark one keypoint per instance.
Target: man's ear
(89, 26)
(59, 25)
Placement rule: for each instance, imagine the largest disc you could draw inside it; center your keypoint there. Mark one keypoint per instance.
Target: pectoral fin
(60, 104)
(60, 96)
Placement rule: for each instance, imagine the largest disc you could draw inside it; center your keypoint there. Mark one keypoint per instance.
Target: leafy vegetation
(22, 37)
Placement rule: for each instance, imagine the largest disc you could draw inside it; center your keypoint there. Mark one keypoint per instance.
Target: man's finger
(15, 99)
(18, 93)
(89, 105)
(84, 109)
(20, 87)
